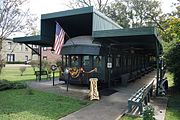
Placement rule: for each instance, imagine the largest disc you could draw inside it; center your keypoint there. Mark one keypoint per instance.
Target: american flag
(59, 39)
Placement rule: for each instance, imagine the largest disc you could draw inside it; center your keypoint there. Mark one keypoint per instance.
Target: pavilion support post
(40, 62)
(109, 67)
(157, 63)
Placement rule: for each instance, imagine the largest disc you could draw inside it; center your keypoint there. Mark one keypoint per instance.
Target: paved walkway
(109, 107)
(60, 88)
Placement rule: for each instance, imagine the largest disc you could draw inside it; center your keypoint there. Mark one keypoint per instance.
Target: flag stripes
(59, 39)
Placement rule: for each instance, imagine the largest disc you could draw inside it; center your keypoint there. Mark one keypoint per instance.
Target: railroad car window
(117, 62)
(86, 61)
(67, 61)
(74, 61)
(97, 60)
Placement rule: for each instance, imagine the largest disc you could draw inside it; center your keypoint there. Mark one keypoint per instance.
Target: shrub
(22, 69)
(34, 64)
(4, 85)
(173, 63)
(148, 113)
(59, 66)
(15, 62)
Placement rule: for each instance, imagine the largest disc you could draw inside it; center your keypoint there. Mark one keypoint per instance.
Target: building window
(45, 48)
(10, 57)
(10, 45)
(44, 57)
(26, 48)
(21, 47)
(26, 58)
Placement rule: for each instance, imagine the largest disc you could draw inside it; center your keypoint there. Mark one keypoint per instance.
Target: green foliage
(130, 117)
(173, 63)
(15, 62)
(134, 13)
(46, 66)
(118, 12)
(18, 105)
(171, 40)
(59, 66)
(4, 85)
(148, 113)
(170, 78)
(34, 64)
(171, 31)
(59, 63)
(22, 69)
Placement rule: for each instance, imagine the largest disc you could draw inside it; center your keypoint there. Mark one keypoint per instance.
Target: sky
(39, 7)
(47, 6)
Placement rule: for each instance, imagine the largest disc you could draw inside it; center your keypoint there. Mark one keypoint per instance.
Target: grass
(19, 105)
(170, 79)
(131, 117)
(173, 107)
(13, 74)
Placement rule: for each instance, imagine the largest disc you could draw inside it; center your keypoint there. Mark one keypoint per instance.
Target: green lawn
(19, 105)
(173, 109)
(14, 74)
(131, 117)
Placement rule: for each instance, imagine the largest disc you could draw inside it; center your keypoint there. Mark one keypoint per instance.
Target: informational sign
(93, 93)
(109, 65)
(53, 67)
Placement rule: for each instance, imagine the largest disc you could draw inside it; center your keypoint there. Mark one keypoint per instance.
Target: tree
(98, 4)
(177, 11)
(144, 12)
(118, 12)
(22, 69)
(135, 13)
(171, 30)
(127, 13)
(12, 20)
(171, 45)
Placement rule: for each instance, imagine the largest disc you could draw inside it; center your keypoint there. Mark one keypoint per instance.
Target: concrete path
(159, 104)
(109, 107)
(60, 88)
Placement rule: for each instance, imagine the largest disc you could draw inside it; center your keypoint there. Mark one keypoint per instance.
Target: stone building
(15, 52)
(18, 52)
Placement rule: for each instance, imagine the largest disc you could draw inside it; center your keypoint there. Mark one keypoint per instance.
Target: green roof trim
(66, 13)
(79, 11)
(34, 40)
(27, 38)
(125, 32)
